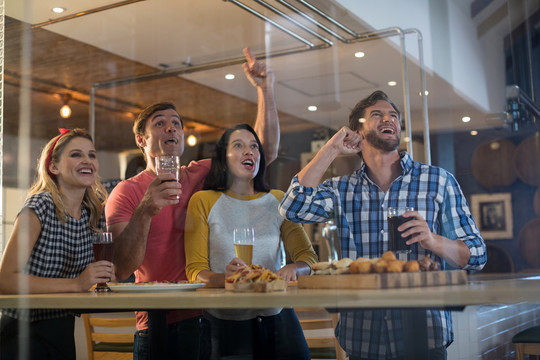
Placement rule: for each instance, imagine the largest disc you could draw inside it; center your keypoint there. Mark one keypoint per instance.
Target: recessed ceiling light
(58, 10)
(359, 54)
(229, 76)
(474, 132)
(312, 108)
(406, 139)
(466, 119)
(427, 93)
(392, 83)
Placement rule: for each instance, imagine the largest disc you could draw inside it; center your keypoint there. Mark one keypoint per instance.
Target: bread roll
(380, 266)
(342, 263)
(411, 266)
(360, 266)
(395, 266)
(388, 256)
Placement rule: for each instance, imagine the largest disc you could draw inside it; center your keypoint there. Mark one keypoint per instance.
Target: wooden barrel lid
(529, 242)
(527, 160)
(492, 163)
(536, 202)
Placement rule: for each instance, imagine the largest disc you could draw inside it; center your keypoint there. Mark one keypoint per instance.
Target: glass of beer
(169, 164)
(243, 240)
(395, 219)
(103, 250)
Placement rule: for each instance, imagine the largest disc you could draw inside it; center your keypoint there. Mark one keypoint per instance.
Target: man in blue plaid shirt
(441, 225)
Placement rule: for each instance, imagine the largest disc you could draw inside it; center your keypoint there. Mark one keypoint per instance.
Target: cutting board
(383, 281)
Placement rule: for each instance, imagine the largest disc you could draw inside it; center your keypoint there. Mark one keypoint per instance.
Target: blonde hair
(95, 196)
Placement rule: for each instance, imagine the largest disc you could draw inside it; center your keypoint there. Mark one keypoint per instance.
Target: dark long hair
(219, 178)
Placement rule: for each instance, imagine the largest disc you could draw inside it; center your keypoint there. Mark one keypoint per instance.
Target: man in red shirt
(147, 221)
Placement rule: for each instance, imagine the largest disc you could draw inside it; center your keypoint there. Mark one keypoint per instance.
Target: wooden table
(480, 289)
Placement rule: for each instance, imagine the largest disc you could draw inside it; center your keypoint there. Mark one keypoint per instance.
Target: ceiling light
(229, 76)
(359, 54)
(466, 119)
(312, 108)
(392, 83)
(192, 136)
(58, 10)
(362, 120)
(65, 110)
(474, 132)
(406, 139)
(426, 92)
(191, 140)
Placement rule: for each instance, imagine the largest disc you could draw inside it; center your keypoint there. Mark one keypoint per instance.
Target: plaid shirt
(359, 208)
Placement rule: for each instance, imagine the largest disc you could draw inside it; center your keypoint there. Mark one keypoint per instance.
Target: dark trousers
(186, 340)
(434, 354)
(44, 339)
(262, 338)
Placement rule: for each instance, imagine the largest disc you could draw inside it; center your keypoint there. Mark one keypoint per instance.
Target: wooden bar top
(480, 289)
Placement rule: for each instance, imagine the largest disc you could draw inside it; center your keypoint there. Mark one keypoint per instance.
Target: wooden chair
(103, 334)
(318, 326)
(527, 342)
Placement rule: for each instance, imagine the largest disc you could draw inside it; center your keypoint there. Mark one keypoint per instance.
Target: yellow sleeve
(196, 232)
(296, 241)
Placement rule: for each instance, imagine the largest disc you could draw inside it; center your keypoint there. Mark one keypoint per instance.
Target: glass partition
(464, 75)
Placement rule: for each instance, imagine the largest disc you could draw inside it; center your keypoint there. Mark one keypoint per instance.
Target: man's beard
(381, 144)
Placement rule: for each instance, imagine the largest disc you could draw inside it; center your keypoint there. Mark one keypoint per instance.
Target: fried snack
(323, 265)
(388, 256)
(395, 266)
(252, 274)
(425, 263)
(342, 263)
(380, 266)
(360, 266)
(435, 266)
(411, 266)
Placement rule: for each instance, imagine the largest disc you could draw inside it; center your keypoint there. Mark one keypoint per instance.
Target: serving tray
(383, 281)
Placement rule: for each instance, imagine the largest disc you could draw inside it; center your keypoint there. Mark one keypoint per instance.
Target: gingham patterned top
(62, 250)
(359, 207)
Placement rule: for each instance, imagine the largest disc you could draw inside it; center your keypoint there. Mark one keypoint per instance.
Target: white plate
(130, 287)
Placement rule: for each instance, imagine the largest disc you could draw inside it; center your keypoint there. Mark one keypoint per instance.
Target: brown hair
(140, 123)
(360, 108)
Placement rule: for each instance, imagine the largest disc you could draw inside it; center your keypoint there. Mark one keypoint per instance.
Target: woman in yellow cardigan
(237, 196)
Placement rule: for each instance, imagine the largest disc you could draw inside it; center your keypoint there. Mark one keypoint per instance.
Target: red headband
(49, 155)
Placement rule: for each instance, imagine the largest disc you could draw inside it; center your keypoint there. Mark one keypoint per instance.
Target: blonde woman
(50, 250)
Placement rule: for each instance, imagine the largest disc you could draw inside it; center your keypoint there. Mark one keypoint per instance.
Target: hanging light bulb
(65, 110)
(192, 137)
(191, 140)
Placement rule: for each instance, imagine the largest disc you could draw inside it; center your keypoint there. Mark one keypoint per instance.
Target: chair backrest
(103, 334)
(318, 326)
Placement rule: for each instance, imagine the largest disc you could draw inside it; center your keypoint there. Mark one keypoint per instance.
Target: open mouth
(388, 130)
(171, 141)
(86, 171)
(248, 163)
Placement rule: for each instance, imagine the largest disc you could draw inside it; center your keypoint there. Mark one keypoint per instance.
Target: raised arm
(267, 122)
(345, 141)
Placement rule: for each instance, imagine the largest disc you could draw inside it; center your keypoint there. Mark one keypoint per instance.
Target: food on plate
(411, 266)
(388, 256)
(395, 266)
(254, 278)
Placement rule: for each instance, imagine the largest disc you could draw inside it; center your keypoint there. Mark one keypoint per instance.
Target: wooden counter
(480, 289)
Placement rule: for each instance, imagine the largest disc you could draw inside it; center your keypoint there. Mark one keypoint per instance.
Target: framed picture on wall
(493, 215)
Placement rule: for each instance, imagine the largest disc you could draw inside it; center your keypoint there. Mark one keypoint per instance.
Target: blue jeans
(262, 338)
(185, 340)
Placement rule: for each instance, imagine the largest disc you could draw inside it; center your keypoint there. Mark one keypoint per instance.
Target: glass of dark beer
(169, 164)
(395, 219)
(103, 250)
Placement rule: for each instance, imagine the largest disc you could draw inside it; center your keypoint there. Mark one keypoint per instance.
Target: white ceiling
(176, 32)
